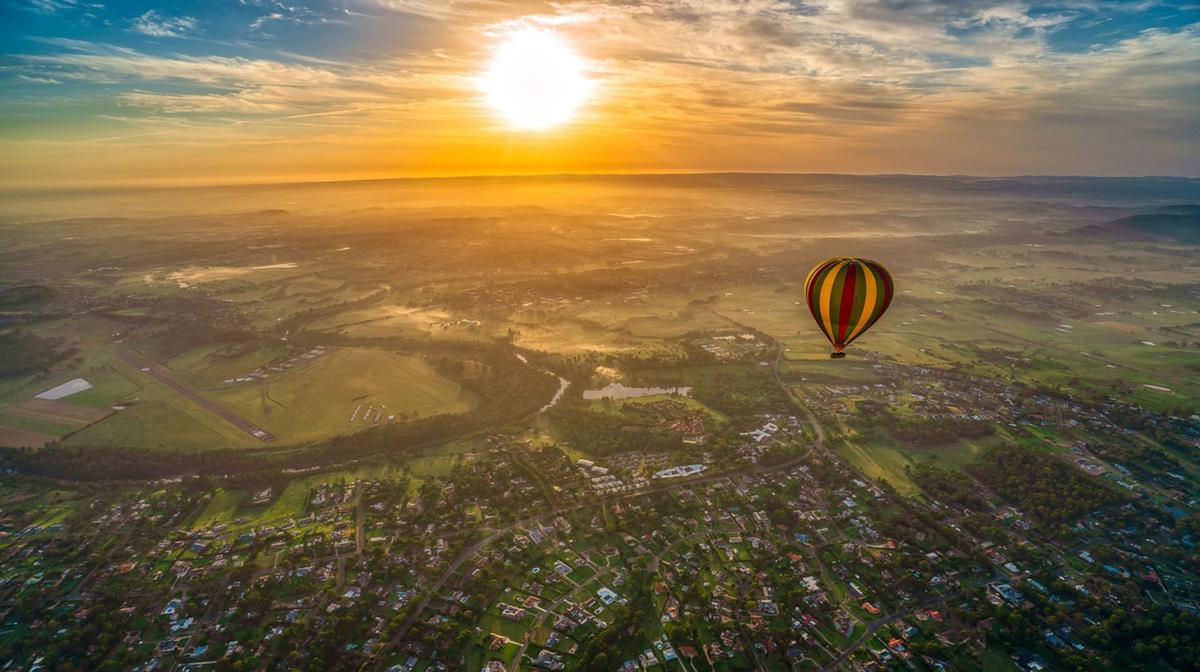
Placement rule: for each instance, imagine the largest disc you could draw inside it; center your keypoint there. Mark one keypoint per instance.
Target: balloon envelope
(847, 295)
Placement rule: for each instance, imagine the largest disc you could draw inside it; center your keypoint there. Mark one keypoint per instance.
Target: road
(878, 623)
(163, 375)
(791, 394)
(600, 573)
(550, 610)
(478, 546)
(436, 588)
(342, 560)
(475, 548)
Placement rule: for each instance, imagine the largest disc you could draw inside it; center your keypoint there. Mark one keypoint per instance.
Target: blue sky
(109, 91)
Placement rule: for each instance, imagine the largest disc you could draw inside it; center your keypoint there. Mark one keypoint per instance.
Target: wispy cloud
(107, 63)
(51, 6)
(154, 24)
(276, 11)
(38, 80)
(238, 85)
(86, 10)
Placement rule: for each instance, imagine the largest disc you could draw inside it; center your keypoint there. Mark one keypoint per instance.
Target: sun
(536, 80)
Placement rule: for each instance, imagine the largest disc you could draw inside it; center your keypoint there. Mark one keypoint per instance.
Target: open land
(327, 418)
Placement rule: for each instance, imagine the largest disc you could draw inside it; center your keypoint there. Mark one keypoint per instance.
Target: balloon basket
(837, 355)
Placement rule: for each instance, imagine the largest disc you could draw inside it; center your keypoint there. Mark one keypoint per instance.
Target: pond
(619, 391)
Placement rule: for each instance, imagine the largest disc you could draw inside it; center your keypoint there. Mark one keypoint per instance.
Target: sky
(97, 92)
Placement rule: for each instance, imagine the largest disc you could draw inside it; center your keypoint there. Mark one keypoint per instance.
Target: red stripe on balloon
(847, 306)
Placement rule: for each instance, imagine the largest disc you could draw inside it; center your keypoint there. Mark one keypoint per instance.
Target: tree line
(1044, 486)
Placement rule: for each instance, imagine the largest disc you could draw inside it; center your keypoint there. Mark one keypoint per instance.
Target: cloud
(52, 6)
(246, 101)
(295, 17)
(875, 85)
(154, 24)
(115, 68)
(237, 85)
(85, 12)
(38, 80)
(435, 9)
(293, 13)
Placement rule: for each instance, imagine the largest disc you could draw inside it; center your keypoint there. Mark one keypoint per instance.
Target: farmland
(578, 433)
(219, 314)
(321, 399)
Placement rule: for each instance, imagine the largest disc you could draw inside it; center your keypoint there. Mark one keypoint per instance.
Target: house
(548, 660)
(1029, 662)
(1008, 593)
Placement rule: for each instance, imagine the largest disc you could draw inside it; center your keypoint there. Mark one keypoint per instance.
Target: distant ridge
(1179, 223)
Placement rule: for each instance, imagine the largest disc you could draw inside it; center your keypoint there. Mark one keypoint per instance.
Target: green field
(618, 405)
(313, 401)
(222, 508)
(209, 366)
(36, 424)
(881, 457)
(160, 423)
(288, 501)
(318, 399)
(92, 337)
(880, 461)
(385, 320)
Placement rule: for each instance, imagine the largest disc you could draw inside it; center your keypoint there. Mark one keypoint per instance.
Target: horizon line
(218, 183)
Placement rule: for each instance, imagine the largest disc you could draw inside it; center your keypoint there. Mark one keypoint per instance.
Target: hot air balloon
(846, 295)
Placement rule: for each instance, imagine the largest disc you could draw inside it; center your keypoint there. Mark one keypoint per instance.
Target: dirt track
(59, 411)
(11, 437)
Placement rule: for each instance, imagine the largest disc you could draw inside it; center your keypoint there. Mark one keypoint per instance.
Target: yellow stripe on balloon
(827, 292)
(868, 303)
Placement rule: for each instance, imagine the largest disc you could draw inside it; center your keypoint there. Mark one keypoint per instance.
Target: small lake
(619, 391)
